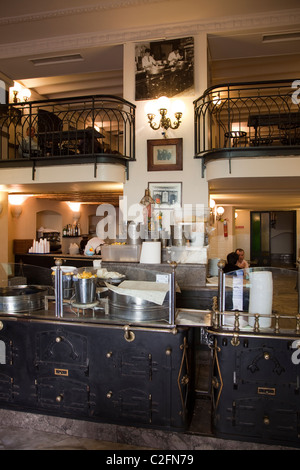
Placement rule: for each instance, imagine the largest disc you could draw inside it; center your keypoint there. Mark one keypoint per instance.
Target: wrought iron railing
(263, 117)
(98, 127)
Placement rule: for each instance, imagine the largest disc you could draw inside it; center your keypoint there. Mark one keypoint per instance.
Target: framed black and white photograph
(164, 68)
(164, 154)
(166, 195)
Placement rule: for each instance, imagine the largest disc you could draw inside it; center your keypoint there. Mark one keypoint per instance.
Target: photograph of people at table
(164, 68)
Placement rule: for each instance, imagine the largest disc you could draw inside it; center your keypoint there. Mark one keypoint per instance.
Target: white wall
(194, 188)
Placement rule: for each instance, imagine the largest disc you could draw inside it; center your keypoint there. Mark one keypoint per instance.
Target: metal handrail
(236, 117)
(69, 128)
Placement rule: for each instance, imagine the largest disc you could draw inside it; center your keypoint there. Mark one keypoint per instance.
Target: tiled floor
(13, 438)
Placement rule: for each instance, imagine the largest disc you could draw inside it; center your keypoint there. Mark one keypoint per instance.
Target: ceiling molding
(162, 31)
(84, 197)
(74, 11)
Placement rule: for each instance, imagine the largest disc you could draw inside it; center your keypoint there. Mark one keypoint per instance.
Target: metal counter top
(98, 313)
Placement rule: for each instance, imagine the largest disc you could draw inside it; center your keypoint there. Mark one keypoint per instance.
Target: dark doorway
(273, 238)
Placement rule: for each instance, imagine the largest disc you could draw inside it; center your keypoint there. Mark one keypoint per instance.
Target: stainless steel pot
(135, 233)
(131, 308)
(22, 299)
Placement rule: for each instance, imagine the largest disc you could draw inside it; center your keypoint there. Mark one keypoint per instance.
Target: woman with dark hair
(232, 259)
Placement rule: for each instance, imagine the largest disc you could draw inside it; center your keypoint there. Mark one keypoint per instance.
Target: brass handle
(59, 398)
(266, 356)
(109, 394)
(185, 380)
(109, 354)
(215, 382)
(1, 325)
(266, 420)
(58, 339)
(128, 335)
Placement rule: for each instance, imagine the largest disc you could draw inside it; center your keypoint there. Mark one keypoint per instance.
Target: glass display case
(258, 299)
(96, 295)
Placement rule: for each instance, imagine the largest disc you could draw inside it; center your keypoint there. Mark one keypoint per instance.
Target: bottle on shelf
(72, 230)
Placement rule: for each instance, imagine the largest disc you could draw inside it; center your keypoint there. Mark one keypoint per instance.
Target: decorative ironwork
(91, 128)
(243, 119)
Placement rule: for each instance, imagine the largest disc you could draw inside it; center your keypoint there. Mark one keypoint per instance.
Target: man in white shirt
(174, 57)
(148, 60)
(241, 262)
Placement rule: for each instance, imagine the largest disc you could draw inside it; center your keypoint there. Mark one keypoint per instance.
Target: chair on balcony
(237, 138)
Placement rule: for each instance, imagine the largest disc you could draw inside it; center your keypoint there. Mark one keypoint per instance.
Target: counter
(81, 362)
(84, 364)
(187, 275)
(95, 372)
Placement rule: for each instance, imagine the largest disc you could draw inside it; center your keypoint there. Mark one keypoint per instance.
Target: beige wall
(4, 228)
(194, 188)
(26, 225)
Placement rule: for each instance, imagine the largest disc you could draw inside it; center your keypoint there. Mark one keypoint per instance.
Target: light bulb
(163, 102)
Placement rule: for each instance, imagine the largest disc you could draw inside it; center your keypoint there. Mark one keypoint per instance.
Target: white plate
(65, 269)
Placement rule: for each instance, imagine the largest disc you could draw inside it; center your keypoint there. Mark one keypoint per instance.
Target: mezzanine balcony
(89, 129)
(247, 120)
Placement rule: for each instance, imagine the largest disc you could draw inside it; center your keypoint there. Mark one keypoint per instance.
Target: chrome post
(58, 289)
(221, 287)
(172, 294)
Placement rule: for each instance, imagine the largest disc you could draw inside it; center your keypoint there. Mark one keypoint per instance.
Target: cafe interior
(195, 107)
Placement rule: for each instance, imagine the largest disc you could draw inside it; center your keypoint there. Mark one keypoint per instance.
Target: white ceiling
(97, 30)
(271, 193)
(41, 29)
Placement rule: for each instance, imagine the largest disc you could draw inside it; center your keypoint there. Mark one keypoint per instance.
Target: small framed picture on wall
(166, 195)
(164, 154)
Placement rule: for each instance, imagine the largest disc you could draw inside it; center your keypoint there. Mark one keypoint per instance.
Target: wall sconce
(163, 103)
(26, 94)
(16, 211)
(75, 208)
(16, 201)
(212, 204)
(15, 90)
(19, 93)
(220, 212)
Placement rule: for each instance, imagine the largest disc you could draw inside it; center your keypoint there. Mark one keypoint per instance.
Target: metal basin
(22, 299)
(130, 308)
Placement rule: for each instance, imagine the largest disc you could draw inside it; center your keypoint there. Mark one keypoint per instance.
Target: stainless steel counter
(98, 313)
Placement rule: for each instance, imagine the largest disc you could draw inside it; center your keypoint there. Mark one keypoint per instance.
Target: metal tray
(22, 299)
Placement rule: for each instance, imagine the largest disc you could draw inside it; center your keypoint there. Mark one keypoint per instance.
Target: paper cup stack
(151, 253)
(261, 297)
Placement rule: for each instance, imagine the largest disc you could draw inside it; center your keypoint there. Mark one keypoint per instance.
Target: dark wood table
(71, 134)
(56, 139)
(283, 121)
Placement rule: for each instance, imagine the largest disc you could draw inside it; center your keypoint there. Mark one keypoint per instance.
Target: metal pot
(131, 308)
(178, 237)
(22, 299)
(85, 290)
(135, 233)
(67, 280)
